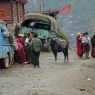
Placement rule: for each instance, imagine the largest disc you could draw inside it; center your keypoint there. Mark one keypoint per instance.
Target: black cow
(58, 46)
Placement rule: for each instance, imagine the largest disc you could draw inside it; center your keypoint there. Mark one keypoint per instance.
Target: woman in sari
(79, 45)
(20, 56)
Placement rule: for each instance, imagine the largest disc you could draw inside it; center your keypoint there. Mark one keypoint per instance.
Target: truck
(6, 49)
(44, 25)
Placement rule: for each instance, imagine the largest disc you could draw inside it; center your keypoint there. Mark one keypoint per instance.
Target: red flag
(65, 10)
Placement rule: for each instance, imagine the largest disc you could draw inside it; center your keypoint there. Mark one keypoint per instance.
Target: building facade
(12, 11)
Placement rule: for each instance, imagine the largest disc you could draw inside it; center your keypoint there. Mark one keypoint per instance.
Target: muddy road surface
(53, 78)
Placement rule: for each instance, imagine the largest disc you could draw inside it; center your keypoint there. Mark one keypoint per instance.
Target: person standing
(86, 45)
(20, 52)
(27, 48)
(93, 46)
(47, 45)
(36, 46)
(79, 50)
(17, 30)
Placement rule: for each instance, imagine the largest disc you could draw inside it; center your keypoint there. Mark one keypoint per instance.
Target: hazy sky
(52, 4)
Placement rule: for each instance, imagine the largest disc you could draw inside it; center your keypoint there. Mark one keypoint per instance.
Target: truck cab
(6, 49)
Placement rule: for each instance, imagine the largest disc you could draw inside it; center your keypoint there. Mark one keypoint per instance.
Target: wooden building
(12, 11)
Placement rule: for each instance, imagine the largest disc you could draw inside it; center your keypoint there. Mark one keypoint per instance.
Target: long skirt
(79, 49)
(20, 56)
(35, 58)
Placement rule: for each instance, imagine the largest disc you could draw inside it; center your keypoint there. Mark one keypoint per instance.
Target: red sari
(21, 58)
(79, 46)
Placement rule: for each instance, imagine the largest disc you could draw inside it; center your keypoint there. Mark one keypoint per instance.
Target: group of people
(29, 47)
(85, 44)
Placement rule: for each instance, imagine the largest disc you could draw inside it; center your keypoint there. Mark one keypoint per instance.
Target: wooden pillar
(12, 10)
(17, 12)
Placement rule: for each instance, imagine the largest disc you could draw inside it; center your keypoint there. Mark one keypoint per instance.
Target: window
(3, 13)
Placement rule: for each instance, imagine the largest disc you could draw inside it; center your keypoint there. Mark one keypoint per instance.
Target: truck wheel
(11, 59)
(6, 61)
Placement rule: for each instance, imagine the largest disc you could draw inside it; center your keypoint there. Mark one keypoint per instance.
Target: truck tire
(5, 62)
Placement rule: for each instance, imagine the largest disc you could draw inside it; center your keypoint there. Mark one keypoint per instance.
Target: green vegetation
(62, 35)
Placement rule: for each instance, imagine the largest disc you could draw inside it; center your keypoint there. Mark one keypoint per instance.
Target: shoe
(34, 66)
(38, 66)
(25, 62)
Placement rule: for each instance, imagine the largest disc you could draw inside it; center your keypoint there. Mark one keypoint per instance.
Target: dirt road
(53, 78)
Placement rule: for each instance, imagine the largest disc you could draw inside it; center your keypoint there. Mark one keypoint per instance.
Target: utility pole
(41, 5)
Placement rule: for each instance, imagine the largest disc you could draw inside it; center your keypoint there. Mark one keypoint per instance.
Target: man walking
(36, 46)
